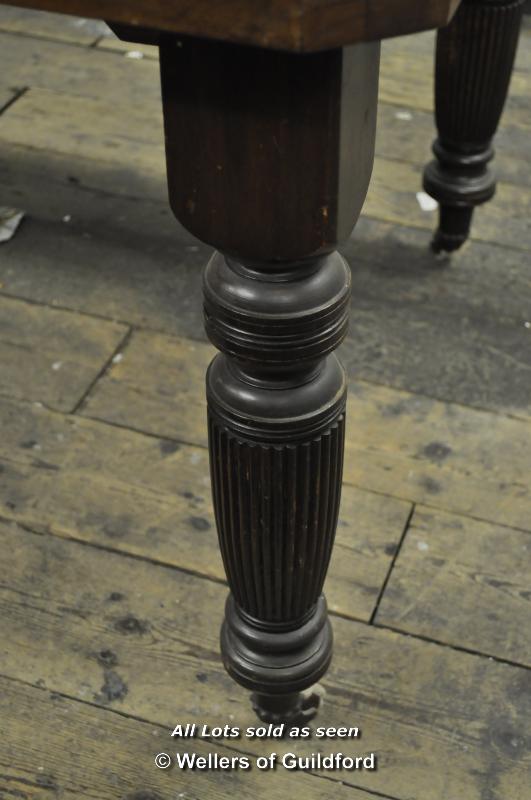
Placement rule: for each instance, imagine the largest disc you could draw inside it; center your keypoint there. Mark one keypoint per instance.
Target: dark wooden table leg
(269, 158)
(474, 61)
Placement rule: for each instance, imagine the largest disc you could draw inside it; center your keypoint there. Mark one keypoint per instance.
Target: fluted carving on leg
(276, 509)
(474, 61)
(276, 408)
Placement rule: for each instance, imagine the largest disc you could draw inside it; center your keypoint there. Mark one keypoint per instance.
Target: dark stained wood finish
(121, 490)
(269, 154)
(269, 159)
(474, 62)
(298, 25)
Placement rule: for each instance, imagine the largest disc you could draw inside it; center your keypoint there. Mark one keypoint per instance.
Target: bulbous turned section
(284, 313)
(474, 60)
(276, 661)
(459, 181)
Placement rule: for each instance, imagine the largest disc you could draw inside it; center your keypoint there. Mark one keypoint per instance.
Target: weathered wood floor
(111, 585)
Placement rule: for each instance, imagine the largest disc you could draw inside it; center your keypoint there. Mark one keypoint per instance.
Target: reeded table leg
(276, 403)
(474, 61)
(269, 158)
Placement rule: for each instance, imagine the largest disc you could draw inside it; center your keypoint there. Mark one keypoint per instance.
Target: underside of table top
(297, 25)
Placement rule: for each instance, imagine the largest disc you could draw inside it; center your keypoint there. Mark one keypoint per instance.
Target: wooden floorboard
(52, 356)
(70, 117)
(92, 127)
(57, 27)
(43, 64)
(108, 129)
(109, 756)
(460, 338)
(119, 489)
(112, 588)
(406, 134)
(451, 329)
(7, 95)
(398, 443)
(393, 198)
(111, 43)
(463, 582)
(143, 640)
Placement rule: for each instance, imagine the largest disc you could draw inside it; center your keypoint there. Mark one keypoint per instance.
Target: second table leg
(474, 61)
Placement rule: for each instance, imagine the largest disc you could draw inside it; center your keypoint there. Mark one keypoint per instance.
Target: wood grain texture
(126, 137)
(447, 456)
(462, 582)
(7, 94)
(414, 54)
(446, 724)
(111, 43)
(132, 389)
(393, 198)
(469, 98)
(59, 27)
(115, 136)
(122, 633)
(33, 772)
(151, 497)
(450, 329)
(473, 66)
(453, 331)
(298, 25)
(267, 117)
(108, 130)
(52, 356)
(80, 71)
(128, 145)
(417, 91)
(405, 134)
(419, 86)
(410, 446)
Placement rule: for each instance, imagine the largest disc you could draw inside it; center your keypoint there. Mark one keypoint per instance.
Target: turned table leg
(269, 158)
(474, 61)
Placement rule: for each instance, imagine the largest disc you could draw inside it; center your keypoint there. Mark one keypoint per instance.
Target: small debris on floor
(426, 202)
(10, 219)
(404, 116)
